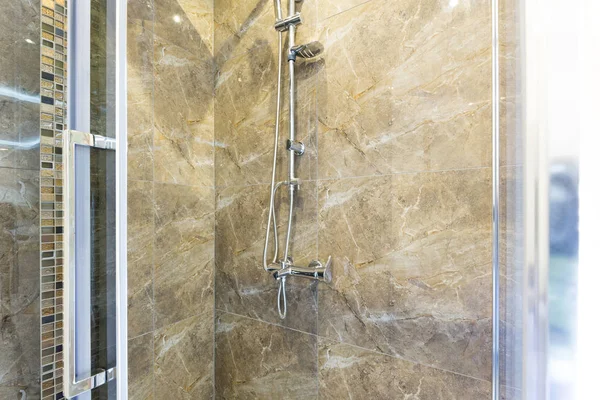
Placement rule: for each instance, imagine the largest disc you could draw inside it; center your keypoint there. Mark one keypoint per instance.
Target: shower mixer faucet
(283, 267)
(315, 270)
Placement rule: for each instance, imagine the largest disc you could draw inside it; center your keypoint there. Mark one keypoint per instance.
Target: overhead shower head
(309, 50)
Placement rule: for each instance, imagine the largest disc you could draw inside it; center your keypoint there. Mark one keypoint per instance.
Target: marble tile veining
(411, 266)
(401, 91)
(140, 92)
(140, 257)
(417, 100)
(171, 198)
(245, 101)
(183, 359)
(140, 10)
(183, 116)
(245, 98)
(19, 280)
(242, 286)
(187, 24)
(256, 360)
(20, 85)
(348, 372)
(242, 26)
(184, 247)
(141, 367)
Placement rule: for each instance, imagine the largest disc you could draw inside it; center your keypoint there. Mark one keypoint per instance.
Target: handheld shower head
(309, 50)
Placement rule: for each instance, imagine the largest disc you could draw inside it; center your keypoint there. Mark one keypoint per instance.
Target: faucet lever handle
(326, 274)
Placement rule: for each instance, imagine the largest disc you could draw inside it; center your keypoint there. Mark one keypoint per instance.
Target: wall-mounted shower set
(284, 267)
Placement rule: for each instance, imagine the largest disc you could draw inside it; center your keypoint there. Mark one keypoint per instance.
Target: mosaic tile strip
(53, 61)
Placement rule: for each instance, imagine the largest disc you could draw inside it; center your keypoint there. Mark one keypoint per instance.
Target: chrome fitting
(284, 24)
(295, 146)
(315, 271)
(273, 267)
(295, 183)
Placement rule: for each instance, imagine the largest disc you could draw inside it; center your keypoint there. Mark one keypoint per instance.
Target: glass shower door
(93, 303)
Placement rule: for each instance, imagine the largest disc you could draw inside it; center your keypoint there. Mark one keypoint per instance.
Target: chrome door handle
(89, 383)
(72, 386)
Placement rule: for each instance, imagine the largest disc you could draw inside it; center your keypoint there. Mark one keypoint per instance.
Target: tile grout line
(170, 324)
(319, 180)
(220, 310)
(153, 36)
(334, 178)
(171, 183)
(5, 167)
(318, 218)
(357, 347)
(214, 188)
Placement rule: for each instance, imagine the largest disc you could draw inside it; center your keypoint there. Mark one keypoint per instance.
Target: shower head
(308, 50)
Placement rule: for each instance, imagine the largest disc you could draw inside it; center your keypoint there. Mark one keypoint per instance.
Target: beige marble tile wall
(171, 199)
(19, 199)
(412, 242)
(397, 188)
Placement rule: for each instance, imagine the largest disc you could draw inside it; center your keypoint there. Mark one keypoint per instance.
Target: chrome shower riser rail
(283, 267)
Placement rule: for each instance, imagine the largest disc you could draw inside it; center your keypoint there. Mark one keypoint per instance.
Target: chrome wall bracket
(297, 147)
(284, 24)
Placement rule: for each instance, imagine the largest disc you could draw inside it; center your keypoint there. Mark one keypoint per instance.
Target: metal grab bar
(72, 386)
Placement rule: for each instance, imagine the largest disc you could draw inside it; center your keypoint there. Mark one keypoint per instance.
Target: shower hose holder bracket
(297, 147)
(282, 25)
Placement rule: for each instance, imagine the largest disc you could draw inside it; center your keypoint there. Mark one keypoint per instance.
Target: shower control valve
(315, 271)
(295, 146)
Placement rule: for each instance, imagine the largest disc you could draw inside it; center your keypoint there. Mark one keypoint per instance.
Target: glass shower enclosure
(63, 282)
(438, 183)
(95, 274)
